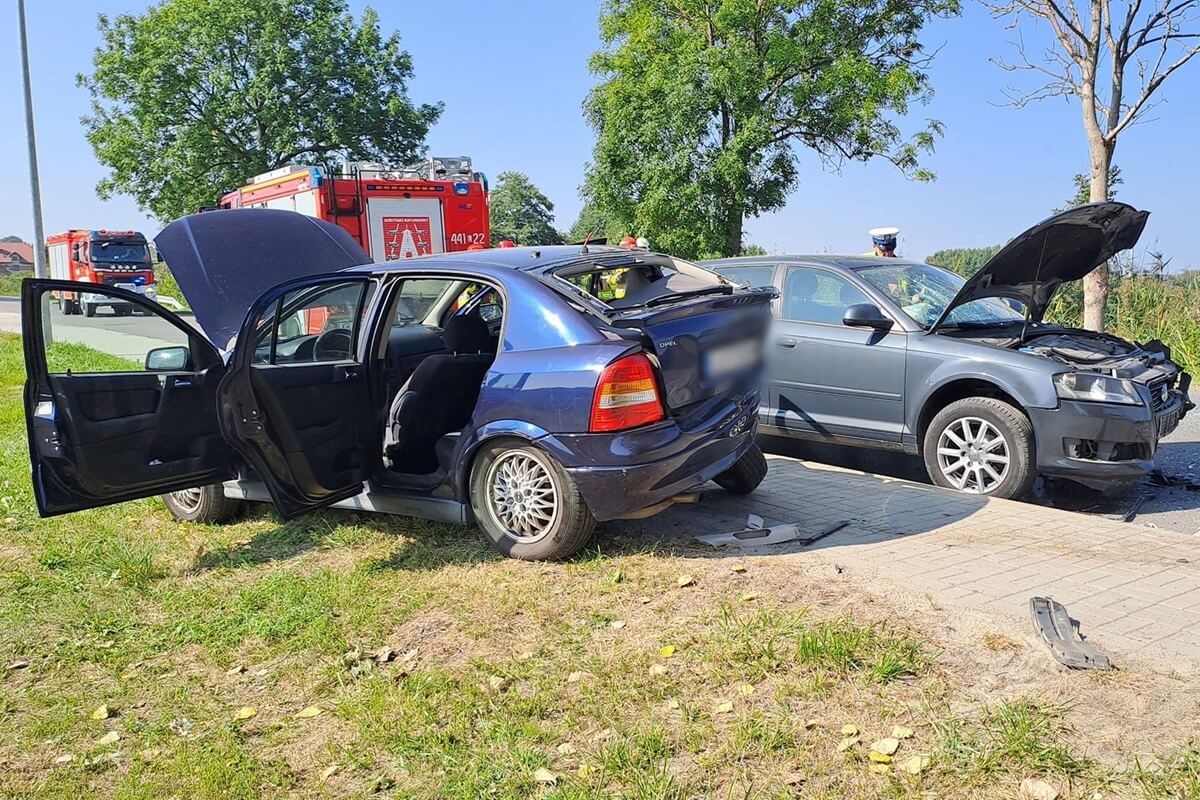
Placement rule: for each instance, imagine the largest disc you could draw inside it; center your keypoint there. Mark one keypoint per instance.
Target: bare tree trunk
(733, 230)
(1095, 285)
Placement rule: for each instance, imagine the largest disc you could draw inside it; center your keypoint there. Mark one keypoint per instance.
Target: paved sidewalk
(1134, 589)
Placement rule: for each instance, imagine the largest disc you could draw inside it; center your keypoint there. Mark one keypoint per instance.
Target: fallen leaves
(723, 708)
(685, 580)
(915, 765)
(112, 737)
(566, 749)
(846, 743)
(576, 677)
(745, 689)
(749, 597)
(657, 669)
(1037, 789)
(310, 712)
(879, 758)
(497, 683)
(329, 772)
(738, 568)
(19, 665)
(65, 758)
(101, 712)
(617, 624)
(849, 730)
(543, 775)
(901, 732)
(886, 746)
(667, 651)
(244, 713)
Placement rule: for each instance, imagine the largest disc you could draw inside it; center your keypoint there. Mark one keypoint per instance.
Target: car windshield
(120, 253)
(923, 292)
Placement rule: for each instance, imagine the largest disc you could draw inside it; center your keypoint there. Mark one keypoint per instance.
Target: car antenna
(583, 251)
(1037, 277)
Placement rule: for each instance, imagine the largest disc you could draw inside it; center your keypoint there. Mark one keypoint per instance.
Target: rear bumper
(622, 474)
(1101, 444)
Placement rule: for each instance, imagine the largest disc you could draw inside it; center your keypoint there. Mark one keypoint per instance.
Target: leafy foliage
(966, 261)
(12, 238)
(520, 212)
(195, 96)
(700, 106)
(592, 223)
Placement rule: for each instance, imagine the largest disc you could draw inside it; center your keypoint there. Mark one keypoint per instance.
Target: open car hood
(1061, 249)
(224, 260)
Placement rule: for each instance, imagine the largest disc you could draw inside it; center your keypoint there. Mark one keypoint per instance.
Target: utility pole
(35, 190)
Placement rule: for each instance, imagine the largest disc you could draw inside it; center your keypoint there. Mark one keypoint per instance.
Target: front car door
(296, 403)
(827, 379)
(118, 406)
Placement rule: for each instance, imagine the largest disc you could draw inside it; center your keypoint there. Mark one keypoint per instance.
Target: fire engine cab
(112, 258)
(437, 206)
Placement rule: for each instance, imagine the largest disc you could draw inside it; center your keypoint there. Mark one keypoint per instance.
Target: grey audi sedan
(900, 355)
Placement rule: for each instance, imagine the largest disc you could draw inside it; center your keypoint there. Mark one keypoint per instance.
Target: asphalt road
(1173, 507)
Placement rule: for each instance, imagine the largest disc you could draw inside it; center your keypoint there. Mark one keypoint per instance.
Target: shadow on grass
(423, 545)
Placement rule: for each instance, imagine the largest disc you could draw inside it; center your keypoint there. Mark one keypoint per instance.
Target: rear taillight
(626, 395)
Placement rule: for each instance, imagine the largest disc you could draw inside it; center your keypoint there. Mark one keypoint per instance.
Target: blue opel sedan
(532, 391)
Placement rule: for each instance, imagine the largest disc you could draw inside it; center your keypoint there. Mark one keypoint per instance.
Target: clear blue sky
(513, 75)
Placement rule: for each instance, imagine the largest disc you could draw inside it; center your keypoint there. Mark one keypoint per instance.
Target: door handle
(349, 374)
(786, 342)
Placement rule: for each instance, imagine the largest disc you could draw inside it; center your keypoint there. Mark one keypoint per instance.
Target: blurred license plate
(730, 358)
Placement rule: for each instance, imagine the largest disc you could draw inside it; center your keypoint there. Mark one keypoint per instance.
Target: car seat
(439, 398)
(851, 295)
(798, 292)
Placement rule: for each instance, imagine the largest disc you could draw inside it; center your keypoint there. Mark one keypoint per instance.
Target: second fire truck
(437, 206)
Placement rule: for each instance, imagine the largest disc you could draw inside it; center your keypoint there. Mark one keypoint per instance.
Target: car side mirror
(169, 359)
(158, 257)
(866, 315)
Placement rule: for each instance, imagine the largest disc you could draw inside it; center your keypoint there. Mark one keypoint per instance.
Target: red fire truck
(437, 206)
(112, 258)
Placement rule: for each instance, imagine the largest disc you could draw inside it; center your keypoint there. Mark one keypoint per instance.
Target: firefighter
(883, 242)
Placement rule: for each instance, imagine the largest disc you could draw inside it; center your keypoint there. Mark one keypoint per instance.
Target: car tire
(983, 431)
(122, 311)
(510, 526)
(89, 309)
(204, 505)
(746, 473)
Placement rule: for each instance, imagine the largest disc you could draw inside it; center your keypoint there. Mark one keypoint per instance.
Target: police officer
(883, 242)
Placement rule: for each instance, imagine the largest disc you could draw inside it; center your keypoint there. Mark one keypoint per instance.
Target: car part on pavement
(753, 535)
(1061, 635)
(828, 530)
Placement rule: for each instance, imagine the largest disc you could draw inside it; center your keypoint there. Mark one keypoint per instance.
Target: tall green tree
(966, 261)
(520, 212)
(592, 223)
(702, 105)
(193, 97)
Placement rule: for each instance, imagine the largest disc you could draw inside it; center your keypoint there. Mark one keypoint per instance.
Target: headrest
(801, 284)
(466, 334)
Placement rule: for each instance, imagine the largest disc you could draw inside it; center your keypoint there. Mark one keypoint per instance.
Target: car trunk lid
(706, 344)
(1058, 250)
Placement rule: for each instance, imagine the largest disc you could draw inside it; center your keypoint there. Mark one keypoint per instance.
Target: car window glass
(814, 295)
(753, 276)
(418, 297)
(923, 292)
(98, 332)
(313, 323)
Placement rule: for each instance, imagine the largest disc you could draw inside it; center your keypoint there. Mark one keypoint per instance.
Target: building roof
(21, 249)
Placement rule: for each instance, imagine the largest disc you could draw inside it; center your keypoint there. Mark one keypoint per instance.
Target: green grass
(10, 285)
(501, 668)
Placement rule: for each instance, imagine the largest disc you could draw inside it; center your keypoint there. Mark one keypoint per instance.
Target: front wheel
(526, 504)
(89, 309)
(204, 504)
(122, 311)
(981, 445)
(746, 473)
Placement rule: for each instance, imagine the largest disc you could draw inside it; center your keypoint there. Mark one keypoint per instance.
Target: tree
(193, 97)
(520, 212)
(1098, 50)
(12, 238)
(966, 261)
(701, 103)
(592, 223)
(1083, 187)
(753, 250)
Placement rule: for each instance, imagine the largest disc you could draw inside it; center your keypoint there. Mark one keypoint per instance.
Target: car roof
(520, 258)
(852, 263)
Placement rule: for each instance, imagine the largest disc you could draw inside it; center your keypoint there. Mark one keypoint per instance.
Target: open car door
(296, 402)
(118, 406)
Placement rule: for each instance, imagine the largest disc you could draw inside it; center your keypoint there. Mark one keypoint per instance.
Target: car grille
(1160, 394)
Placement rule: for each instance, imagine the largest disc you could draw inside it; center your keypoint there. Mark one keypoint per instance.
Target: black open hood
(1058, 250)
(224, 260)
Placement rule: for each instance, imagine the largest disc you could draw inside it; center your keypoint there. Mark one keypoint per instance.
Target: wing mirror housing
(169, 359)
(866, 315)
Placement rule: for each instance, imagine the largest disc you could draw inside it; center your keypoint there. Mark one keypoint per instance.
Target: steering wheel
(332, 345)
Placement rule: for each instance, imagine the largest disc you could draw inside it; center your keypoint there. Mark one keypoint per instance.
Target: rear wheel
(89, 309)
(746, 473)
(204, 504)
(122, 311)
(527, 505)
(981, 445)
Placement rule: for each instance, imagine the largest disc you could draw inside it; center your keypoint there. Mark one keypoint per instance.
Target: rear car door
(296, 403)
(828, 378)
(117, 406)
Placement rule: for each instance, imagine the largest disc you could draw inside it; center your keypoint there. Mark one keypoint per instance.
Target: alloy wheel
(188, 500)
(973, 455)
(522, 497)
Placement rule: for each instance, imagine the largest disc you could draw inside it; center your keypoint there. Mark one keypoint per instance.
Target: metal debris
(755, 535)
(1061, 635)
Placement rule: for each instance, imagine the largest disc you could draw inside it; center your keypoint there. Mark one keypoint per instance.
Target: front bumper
(622, 474)
(149, 291)
(1102, 444)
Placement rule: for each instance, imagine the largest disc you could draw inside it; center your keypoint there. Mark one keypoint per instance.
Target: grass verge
(351, 655)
